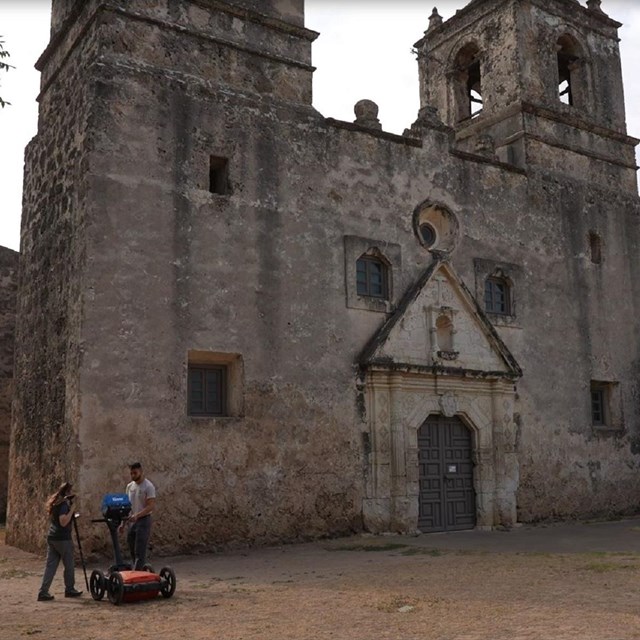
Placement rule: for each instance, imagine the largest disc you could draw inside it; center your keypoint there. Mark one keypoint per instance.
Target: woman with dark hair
(59, 543)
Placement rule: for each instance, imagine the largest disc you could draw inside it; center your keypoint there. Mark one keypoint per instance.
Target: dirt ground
(360, 588)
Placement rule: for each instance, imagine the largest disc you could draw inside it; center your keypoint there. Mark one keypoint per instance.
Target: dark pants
(59, 550)
(138, 540)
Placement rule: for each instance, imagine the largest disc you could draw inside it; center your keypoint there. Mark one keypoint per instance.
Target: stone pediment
(439, 326)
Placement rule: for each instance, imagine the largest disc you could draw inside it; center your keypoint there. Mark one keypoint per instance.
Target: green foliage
(4, 66)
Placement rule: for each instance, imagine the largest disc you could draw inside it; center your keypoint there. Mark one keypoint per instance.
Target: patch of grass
(604, 567)
(388, 546)
(229, 579)
(634, 555)
(282, 581)
(31, 632)
(208, 585)
(420, 551)
(246, 590)
(15, 573)
(436, 553)
(471, 552)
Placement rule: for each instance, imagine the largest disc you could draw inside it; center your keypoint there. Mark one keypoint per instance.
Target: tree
(4, 66)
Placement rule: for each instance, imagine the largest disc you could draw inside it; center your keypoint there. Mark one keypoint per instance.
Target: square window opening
(371, 278)
(497, 296)
(598, 407)
(207, 390)
(595, 246)
(219, 175)
(215, 382)
(606, 405)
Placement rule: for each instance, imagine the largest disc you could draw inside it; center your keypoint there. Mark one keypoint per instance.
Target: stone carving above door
(448, 404)
(439, 325)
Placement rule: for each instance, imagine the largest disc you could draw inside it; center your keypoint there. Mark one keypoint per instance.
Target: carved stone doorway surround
(398, 402)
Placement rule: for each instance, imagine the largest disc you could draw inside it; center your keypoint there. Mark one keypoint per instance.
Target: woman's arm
(67, 517)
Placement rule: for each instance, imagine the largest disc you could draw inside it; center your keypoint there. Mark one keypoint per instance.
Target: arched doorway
(447, 499)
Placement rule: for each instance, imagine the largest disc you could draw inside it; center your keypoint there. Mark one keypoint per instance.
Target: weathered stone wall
(581, 180)
(157, 266)
(44, 444)
(298, 186)
(291, 11)
(8, 289)
(60, 11)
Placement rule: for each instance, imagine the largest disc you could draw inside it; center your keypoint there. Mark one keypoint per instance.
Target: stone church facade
(309, 327)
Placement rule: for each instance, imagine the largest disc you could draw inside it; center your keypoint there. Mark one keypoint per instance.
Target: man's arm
(149, 504)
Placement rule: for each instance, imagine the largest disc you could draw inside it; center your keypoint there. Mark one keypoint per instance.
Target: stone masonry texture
(133, 266)
(8, 289)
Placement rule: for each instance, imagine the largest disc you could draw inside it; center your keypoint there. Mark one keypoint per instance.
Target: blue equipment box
(116, 505)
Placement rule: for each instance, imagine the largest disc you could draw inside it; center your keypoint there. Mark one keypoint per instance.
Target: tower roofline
(561, 5)
(234, 10)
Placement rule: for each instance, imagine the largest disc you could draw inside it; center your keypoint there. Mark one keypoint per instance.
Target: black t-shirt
(56, 530)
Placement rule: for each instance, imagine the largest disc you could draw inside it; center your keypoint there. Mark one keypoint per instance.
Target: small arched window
(468, 82)
(568, 66)
(497, 296)
(372, 277)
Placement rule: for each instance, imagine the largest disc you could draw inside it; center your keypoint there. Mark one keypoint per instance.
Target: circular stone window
(436, 227)
(427, 235)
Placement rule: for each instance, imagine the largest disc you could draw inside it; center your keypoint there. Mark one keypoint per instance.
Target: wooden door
(447, 498)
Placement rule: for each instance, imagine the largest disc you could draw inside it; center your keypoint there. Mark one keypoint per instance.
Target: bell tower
(542, 78)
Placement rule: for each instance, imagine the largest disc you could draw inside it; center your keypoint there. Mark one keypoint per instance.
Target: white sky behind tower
(364, 51)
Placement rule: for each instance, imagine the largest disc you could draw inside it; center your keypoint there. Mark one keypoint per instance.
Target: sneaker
(73, 593)
(44, 597)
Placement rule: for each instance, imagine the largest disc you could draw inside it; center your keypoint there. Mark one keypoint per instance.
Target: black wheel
(115, 588)
(167, 582)
(147, 567)
(97, 584)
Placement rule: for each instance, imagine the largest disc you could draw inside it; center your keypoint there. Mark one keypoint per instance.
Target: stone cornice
(572, 9)
(439, 370)
(574, 119)
(568, 9)
(472, 157)
(8, 257)
(456, 23)
(105, 7)
(216, 5)
(376, 133)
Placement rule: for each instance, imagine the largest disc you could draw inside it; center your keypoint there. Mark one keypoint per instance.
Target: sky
(364, 51)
